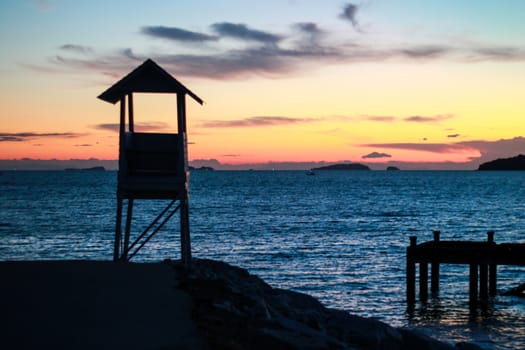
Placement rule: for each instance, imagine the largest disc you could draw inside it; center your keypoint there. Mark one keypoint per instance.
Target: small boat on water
(310, 172)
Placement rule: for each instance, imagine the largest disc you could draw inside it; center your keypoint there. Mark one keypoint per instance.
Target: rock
(237, 310)
(413, 340)
(467, 346)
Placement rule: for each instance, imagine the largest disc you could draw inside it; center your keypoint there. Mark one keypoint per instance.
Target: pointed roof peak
(148, 77)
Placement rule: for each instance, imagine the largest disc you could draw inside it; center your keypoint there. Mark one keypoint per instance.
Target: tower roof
(148, 77)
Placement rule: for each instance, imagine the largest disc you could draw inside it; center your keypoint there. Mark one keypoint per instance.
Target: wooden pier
(483, 257)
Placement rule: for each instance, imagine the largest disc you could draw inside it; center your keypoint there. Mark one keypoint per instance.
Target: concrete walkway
(94, 305)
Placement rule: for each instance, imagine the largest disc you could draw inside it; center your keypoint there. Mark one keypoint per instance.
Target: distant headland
(202, 168)
(95, 168)
(513, 163)
(345, 166)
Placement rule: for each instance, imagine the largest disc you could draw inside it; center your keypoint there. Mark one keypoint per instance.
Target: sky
(422, 84)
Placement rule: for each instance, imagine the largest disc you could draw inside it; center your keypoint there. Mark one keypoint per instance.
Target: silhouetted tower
(151, 165)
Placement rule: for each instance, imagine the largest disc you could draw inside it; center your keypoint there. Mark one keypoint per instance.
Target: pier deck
(483, 257)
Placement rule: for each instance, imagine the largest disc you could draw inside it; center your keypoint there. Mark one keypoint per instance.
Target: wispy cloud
(349, 13)
(25, 136)
(151, 126)
(498, 53)
(426, 147)
(502, 148)
(428, 119)
(177, 34)
(268, 53)
(243, 32)
(128, 53)
(310, 28)
(233, 64)
(378, 118)
(375, 155)
(451, 136)
(272, 60)
(282, 120)
(411, 119)
(487, 150)
(255, 121)
(76, 48)
(310, 35)
(425, 51)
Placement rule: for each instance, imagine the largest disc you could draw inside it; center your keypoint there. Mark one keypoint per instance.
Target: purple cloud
(428, 119)
(76, 48)
(498, 53)
(424, 51)
(309, 28)
(376, 155)
(255, 121)
(242, 32)
(25, 136)
(177, 34)
(349, 14)
(279, 54)
(378, 118)
(426, 147)
(151, 126)
(502, 148)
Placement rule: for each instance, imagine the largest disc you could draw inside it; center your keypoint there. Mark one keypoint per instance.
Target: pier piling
(483, 282)
(411, 273)
(423, 281)
(434, 274)
(473, 284)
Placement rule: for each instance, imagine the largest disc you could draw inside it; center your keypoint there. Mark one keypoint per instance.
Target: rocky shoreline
(237, 310)
(87, 304)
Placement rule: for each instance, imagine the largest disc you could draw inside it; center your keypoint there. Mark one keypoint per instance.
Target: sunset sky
(388, 81)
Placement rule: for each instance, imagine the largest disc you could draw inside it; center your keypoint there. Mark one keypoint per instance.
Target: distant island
(202, 168)
(95, 168)
(390, 168)
(351, 166)
(513, 163)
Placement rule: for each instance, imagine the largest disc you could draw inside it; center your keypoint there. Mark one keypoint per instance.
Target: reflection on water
(497, 323)
(339, 236)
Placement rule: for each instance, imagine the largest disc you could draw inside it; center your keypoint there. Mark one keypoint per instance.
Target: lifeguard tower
(151, 165)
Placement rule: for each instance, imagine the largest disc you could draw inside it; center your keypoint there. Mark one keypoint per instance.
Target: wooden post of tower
(129, 215)
(185, 244)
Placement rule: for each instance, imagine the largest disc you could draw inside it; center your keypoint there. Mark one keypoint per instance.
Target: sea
(340, 236)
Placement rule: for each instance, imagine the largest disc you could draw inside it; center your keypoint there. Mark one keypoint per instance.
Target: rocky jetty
(345, 166)
(237, 310)
(514, 163)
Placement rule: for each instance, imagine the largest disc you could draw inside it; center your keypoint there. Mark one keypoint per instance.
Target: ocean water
(339, 236)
